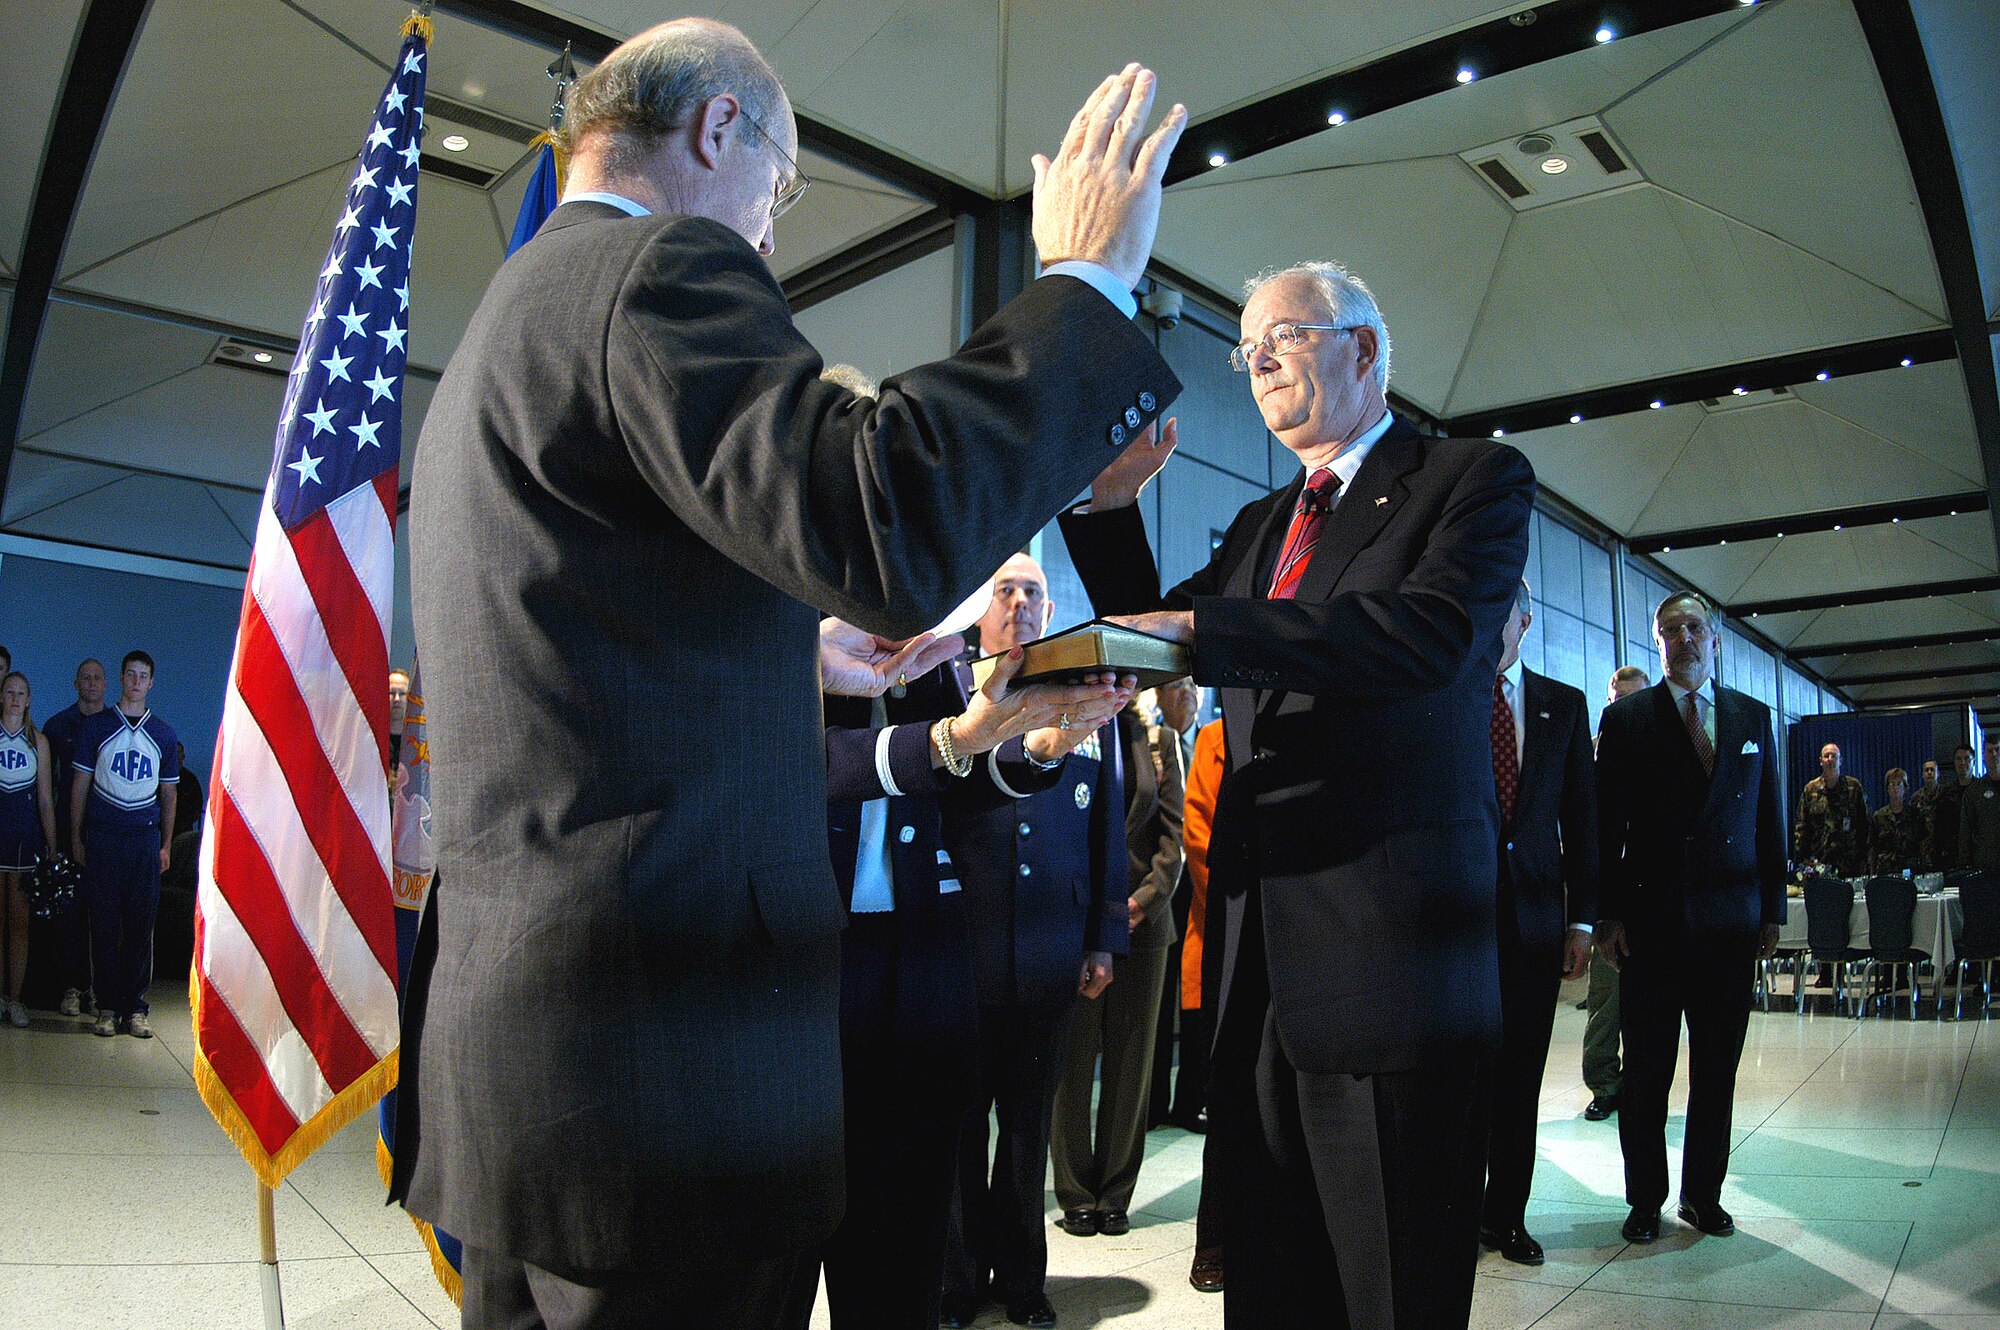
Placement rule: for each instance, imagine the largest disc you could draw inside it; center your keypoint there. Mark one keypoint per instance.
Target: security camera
(1164, 305)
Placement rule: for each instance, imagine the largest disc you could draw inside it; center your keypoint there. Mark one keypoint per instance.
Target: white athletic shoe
(72, 1003)
(138, 1026)
(107, 1024)
(17, 1015)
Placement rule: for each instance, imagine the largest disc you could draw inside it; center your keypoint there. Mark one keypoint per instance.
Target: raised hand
(1099, 198)
(854, 662)
(1120, 484)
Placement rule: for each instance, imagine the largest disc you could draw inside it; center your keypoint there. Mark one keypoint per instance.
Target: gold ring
(902, 681)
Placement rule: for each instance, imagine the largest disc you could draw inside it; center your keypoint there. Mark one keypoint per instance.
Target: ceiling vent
(464, 172)
(1749, 397)
(1569, 161)
(473, 118)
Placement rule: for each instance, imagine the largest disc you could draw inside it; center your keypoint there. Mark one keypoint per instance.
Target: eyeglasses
(1282, 340)
(790, 185)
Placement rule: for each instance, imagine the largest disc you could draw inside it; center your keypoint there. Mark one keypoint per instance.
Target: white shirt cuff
(1584, 928)
(882, 771)
(999, 781)
(1100, 278)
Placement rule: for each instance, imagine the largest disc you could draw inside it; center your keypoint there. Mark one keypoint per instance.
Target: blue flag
(544, 193)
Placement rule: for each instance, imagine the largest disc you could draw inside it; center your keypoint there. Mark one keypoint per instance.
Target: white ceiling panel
(1785, 457)
(1485, 110)
(1611, 467)
(1886, 622)
(1823, 561)
(1960, 37)
(1922, 410)
(205, 117)
(36, 483)
(174, 519)
(1909, 659)
(35, 41)
(1800, 73)
(213, 423)
(88, 357)
(1429, 279)
(1641, 283)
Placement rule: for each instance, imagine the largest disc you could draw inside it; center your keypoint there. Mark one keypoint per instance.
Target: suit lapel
(1365, 506)
(1730, 732)
(1679, 742)
(1252, 577)
(1534, 729)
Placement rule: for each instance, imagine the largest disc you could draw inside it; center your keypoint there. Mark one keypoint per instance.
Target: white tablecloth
(1933, 928)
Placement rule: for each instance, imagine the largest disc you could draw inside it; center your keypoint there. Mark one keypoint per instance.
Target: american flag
(294, 986)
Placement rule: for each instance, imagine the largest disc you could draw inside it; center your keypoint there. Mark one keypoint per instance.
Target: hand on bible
(1174, 625)
(999, 713)
(856, 663)
(1099, 199)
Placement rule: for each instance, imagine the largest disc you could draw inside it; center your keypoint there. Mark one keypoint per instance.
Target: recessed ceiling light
(261, 357)
(455, 142)
(1836, 526)
(1907, 362)
(1336, 117)
(1666, 549)
(1604, 35)
(1822, 376)
(1217, 159)
(1738, 390)
(1894, 520)
(1554, 165)
(1781, 535)
(1656, 404)
(1576, 420)
(1725, 542)
(1466, 76)
(1499, 433)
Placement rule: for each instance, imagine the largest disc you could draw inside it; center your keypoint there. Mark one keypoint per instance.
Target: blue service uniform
(71, 928)
(20, 823)
(1045, 882)
(127, 758)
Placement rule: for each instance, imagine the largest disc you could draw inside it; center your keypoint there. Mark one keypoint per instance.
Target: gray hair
(1346, 297)
(854, 380)
(653, 83)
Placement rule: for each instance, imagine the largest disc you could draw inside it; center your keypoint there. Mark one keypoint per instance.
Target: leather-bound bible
(1095, 648)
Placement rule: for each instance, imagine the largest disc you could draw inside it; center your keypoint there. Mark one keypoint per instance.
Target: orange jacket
(1204, 779)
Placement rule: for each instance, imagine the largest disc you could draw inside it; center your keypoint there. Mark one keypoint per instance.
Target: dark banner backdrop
(1869, 746)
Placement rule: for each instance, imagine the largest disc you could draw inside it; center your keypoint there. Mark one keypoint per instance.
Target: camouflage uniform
(1941, 813)
(1896, 840)
(1833, 826)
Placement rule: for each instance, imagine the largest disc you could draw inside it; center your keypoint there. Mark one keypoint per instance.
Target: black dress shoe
(1114, 1223)
(959, 1310)
(1033, 1310)
(1206, 1276)
(1600, 1108)
(1711, 1218)
(1079, 1221)
(1641, 1226)
(1514, 1244)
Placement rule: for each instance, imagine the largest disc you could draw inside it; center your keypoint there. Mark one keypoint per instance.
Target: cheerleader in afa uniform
(27, 828)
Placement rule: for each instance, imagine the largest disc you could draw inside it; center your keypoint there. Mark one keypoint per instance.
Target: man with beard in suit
(1545, 777)
(1692, 891)
(1350, 618)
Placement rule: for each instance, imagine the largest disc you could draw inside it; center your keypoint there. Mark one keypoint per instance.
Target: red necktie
(1314, 505)
(1703, 748)
(1506, 761)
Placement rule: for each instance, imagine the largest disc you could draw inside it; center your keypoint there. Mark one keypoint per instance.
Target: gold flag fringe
(420, 23)
(547, 138)
(450, 1280)
(316, 1131)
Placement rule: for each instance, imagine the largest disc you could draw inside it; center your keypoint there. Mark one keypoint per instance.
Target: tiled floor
(1865, 1184)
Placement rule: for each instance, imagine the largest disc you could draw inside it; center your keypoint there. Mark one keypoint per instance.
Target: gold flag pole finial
(420, 23)
(563, 70)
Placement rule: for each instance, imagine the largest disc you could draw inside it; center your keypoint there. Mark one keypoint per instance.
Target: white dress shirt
(1704, 705)
(1354, 454)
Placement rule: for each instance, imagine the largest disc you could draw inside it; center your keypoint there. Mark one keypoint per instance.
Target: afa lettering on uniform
(132, 766)
(12, 759)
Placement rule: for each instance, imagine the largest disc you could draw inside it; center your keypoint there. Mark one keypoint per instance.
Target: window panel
(1598, 663)
(1219, 421)
(1562, 648)
(1562, 568)
(1597, 587)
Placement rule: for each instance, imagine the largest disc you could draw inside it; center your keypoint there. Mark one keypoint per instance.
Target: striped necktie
(1307, 522)
(1698, 733)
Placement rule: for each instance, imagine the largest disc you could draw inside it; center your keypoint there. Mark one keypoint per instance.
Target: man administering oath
(1351, 618)
(633, 498)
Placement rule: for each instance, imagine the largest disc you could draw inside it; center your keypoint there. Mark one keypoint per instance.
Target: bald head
(1020, 609)
(686, 117)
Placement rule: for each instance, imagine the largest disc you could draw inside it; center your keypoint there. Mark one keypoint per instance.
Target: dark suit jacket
(1359, 794)
(1044, 880)
(631, 493)
(1683, 854)
(1548, 857)
(934, 1014)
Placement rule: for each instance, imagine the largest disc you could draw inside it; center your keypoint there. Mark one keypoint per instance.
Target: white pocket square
(1750, 746)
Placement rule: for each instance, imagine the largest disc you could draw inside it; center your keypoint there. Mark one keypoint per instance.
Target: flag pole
(267, 1256)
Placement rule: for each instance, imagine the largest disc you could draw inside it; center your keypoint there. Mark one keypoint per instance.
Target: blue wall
(52, 615)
